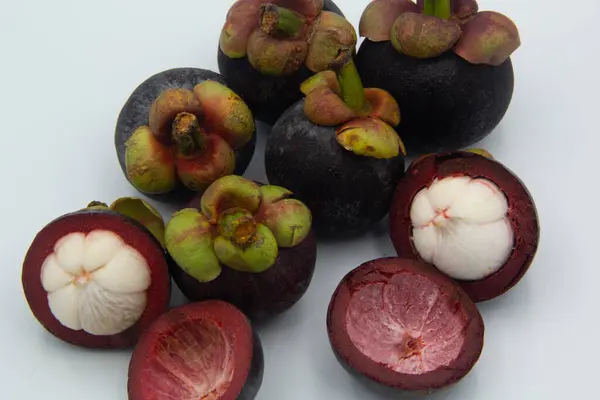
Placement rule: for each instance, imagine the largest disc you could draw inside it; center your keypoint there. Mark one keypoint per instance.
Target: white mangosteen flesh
(406, 323)
(461, 226)
(95, 282)
(194, 361)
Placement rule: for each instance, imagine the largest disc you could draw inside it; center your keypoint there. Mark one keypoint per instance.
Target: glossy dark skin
(446, 102)
(136, 110)
(346, 193)
(259, 296)
(268, 97)
(255, 375)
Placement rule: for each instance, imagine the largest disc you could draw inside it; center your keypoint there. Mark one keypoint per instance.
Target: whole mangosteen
(447, 64)
(99, 277)
(246, 244)
(469, 216)
(399, 323)
(337, 150)
(268, 48)
(206, 350)
(181, 130)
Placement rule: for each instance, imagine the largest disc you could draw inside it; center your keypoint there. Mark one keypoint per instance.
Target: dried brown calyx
(280, 36)
(365, 117)
(429, 28)
(189, 140)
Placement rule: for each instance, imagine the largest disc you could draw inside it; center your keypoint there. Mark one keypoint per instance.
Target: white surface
(68, 67)
(461, 226)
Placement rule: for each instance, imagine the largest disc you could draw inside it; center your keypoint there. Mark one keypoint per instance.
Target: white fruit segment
(461, 226)
(95, 282)
(406, 324)
(193, 362)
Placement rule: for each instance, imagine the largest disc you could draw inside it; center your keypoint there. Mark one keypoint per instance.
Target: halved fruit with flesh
(96, 278)
(469, 216)
(205, 350)
(404, 325)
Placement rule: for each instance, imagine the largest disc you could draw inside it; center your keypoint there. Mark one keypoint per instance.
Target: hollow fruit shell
(377, 375)
(447, 103)
(133, 234)
(145, 371)
(136, 111)
(522, 214)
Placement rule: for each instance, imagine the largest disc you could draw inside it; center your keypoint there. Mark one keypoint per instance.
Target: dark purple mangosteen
(446, 63)
(268, 48)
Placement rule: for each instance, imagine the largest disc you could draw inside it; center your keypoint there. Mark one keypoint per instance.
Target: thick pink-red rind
(382, 270)
(522, 214)
(233, 323)
(85, 221)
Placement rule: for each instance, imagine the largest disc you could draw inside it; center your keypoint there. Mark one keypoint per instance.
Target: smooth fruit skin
(522, 215)
(446, 102)
(86, 221)
(346, 193)
(261, 296)
(378, 377)
(255, 374)
(268, 97)
(136, 110)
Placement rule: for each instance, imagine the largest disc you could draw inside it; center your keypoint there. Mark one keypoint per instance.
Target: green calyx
(437, 8)
(190, 139)
(364, 118)
(431, 28)
(139, 210)
(238, 224)
(280, 37)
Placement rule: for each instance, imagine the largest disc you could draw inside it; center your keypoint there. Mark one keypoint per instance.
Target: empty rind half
(96, 278)
(402, 324)
(470, 217)
(202, 350)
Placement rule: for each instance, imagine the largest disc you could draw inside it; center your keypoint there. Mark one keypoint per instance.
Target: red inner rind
(522, 215)
(234, 324)
(382, 270)
(134, 235)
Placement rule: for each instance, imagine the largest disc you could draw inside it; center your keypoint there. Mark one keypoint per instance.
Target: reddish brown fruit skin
(522, 214)
(134, 235)
(380, 270)
(248, 353)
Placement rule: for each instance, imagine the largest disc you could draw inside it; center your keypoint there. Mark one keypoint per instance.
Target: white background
(67, 67)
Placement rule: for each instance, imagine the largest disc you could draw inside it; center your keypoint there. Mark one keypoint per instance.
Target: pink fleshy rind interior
(194, 361)
(406, 323)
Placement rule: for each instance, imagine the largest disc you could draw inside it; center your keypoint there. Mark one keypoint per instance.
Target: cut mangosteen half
(245, 243)
(446, 63)
(97, 277)
(180, 130)
(206, 350)
(338, 151)
(468, 215)
(404, 325)
(268, 48)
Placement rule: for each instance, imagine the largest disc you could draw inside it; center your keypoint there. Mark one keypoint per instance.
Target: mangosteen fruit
(337, 150)
(446, 63)
(244, 243)
(205, 350)
(268, 48)
(469, 216)
(400, 324)
(98, 277)
(180, 130)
